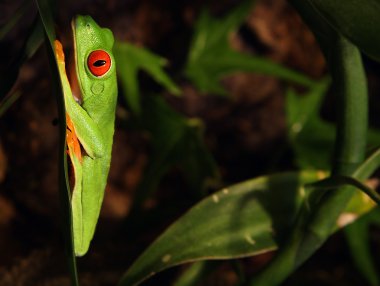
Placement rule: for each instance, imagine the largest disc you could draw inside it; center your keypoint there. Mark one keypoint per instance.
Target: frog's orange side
(72, 139)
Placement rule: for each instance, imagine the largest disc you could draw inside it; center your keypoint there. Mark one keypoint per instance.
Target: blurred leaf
(199, 167)
(8, 101)
(130, 60)
(311, 137)
(196, 272)
(15, 18)
(176, 140)
(358, 241)
(358, 20)
(211, 58)
(47, 19)
(357, 233)
(32, 43)
(245, 219)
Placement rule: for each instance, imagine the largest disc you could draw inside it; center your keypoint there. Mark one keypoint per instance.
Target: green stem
(312, 230)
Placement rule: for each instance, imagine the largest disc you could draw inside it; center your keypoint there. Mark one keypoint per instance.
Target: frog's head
(95, 64)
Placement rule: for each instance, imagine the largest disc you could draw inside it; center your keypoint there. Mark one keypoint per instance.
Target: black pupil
(99, 63)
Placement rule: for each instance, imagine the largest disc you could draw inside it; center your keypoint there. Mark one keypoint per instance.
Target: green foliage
(211, 57)
(312, 140)
(240, 220)
(196, 272)
(175, 140)
(312, 137)
(357, 236)
(335, 182)
(254, 216)
(129, 61)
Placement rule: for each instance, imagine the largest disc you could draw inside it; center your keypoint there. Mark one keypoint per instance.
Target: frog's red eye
(99, 62)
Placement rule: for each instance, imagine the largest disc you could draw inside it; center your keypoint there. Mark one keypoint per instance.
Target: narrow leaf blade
(47, 19)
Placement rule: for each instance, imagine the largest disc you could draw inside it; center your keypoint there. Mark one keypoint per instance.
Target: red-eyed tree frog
(90, 100)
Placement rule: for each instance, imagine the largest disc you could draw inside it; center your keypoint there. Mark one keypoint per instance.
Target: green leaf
(15, 18)
(338, 181)
(245, 219)
(358, 20)
(8, 101)
(311, 137)
(129, 61)
(47, 19)
(196, 272)
(211, 58)
(175, 140)
(358, 241)
(242, 220)
(357, 233)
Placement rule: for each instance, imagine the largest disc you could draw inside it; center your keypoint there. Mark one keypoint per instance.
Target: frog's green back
(98, 99)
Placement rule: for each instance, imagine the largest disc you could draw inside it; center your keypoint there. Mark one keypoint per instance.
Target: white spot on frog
(225, 191)
(215, 198)
(166, 258)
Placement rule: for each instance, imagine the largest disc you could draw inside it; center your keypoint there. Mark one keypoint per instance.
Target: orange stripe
(72, 139)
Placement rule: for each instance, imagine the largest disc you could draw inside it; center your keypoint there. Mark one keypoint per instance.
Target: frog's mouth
(72, 68)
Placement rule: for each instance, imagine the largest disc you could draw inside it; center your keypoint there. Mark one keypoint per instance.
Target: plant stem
(312, 229)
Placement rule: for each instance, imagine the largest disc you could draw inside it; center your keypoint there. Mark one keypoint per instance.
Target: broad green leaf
(130, 60)
(175, 140)
(211, 57)
(242, 220)
(245, 219)
(47, 19)
(358, 20)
